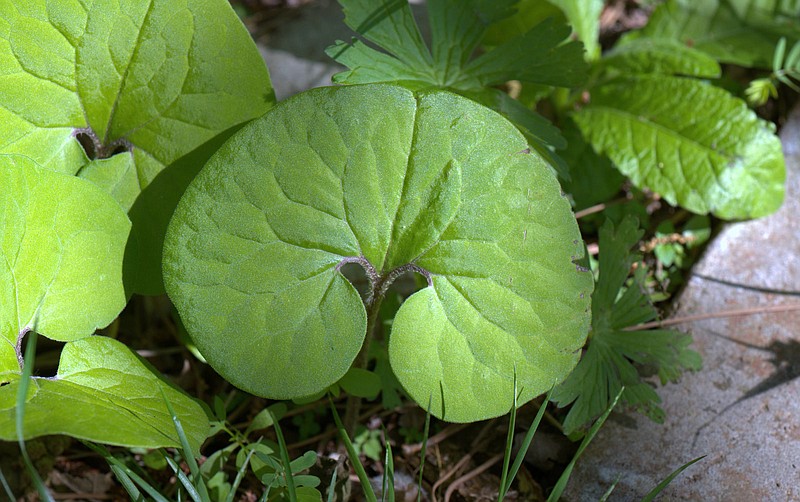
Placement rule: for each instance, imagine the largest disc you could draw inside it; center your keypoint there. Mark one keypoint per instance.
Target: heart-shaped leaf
(116, 91)
(61, 276)
(103, 392)
(61, 256)
(396, 181)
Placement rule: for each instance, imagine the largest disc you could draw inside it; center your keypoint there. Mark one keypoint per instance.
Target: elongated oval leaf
(742, 32)
(61, 257)
(103, 392)
(695, 144)
(379, 175)
(663, 56)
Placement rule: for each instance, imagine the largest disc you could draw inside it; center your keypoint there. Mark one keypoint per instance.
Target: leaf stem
(373, 306)
(20, 337)
(379, 285)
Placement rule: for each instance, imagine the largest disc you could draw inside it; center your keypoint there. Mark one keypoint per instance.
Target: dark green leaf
(742, 32)
(607, 366)
(361, 383)
(662, 56)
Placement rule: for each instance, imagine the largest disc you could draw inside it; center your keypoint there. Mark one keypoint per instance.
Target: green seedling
(397, 182)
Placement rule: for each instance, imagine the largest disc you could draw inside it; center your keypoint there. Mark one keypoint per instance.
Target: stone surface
(295, 51)
(742, 410)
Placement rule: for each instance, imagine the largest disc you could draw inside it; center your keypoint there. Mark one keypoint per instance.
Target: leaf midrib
(124, 76)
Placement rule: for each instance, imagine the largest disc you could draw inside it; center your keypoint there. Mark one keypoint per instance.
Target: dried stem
(715, 315)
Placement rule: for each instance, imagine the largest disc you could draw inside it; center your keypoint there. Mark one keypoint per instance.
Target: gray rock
(742, 410)
(295, 51)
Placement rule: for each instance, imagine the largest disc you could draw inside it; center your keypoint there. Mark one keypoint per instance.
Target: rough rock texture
(742, 410)
(295, 52)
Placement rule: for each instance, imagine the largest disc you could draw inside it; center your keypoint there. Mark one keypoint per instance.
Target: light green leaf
(742, 32)
(664, 56)
(61, 255)
(103, 392)
(723, 160)
(393, 180)
(584, 16)
(139, 84)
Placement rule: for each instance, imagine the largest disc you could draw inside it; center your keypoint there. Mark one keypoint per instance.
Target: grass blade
(424, 452)
(655, 491)
(240, 474)
(512, 423)
(564, 479)
(22, 393)
(526, 443)
(610, 490)
(128, 484)
(185, 481)
(369, 493)
(6, 487)
(387, 486)
(116, 464)
(287, 463)
(199, 486)
(332, 486)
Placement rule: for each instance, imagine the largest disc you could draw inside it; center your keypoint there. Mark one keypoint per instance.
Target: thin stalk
(353, 407)
(715, 315)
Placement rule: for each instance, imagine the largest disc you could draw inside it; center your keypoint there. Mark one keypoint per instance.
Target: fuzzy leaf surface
(61, 256)
(693, 143)
(381, 174)
(141, 84)
(608, 363)
(103, 392)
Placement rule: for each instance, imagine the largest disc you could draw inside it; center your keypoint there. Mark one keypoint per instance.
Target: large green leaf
(138, 84)
(62, 245)
(693, 143)
(660, 55)
(394, 180)
(61, 276)
(103, 392)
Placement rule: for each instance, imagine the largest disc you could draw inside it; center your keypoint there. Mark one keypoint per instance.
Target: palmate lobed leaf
(608, 363)
(151, 81)
(538, 55)
(103, 392)
(381, 174)
(693, 143)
